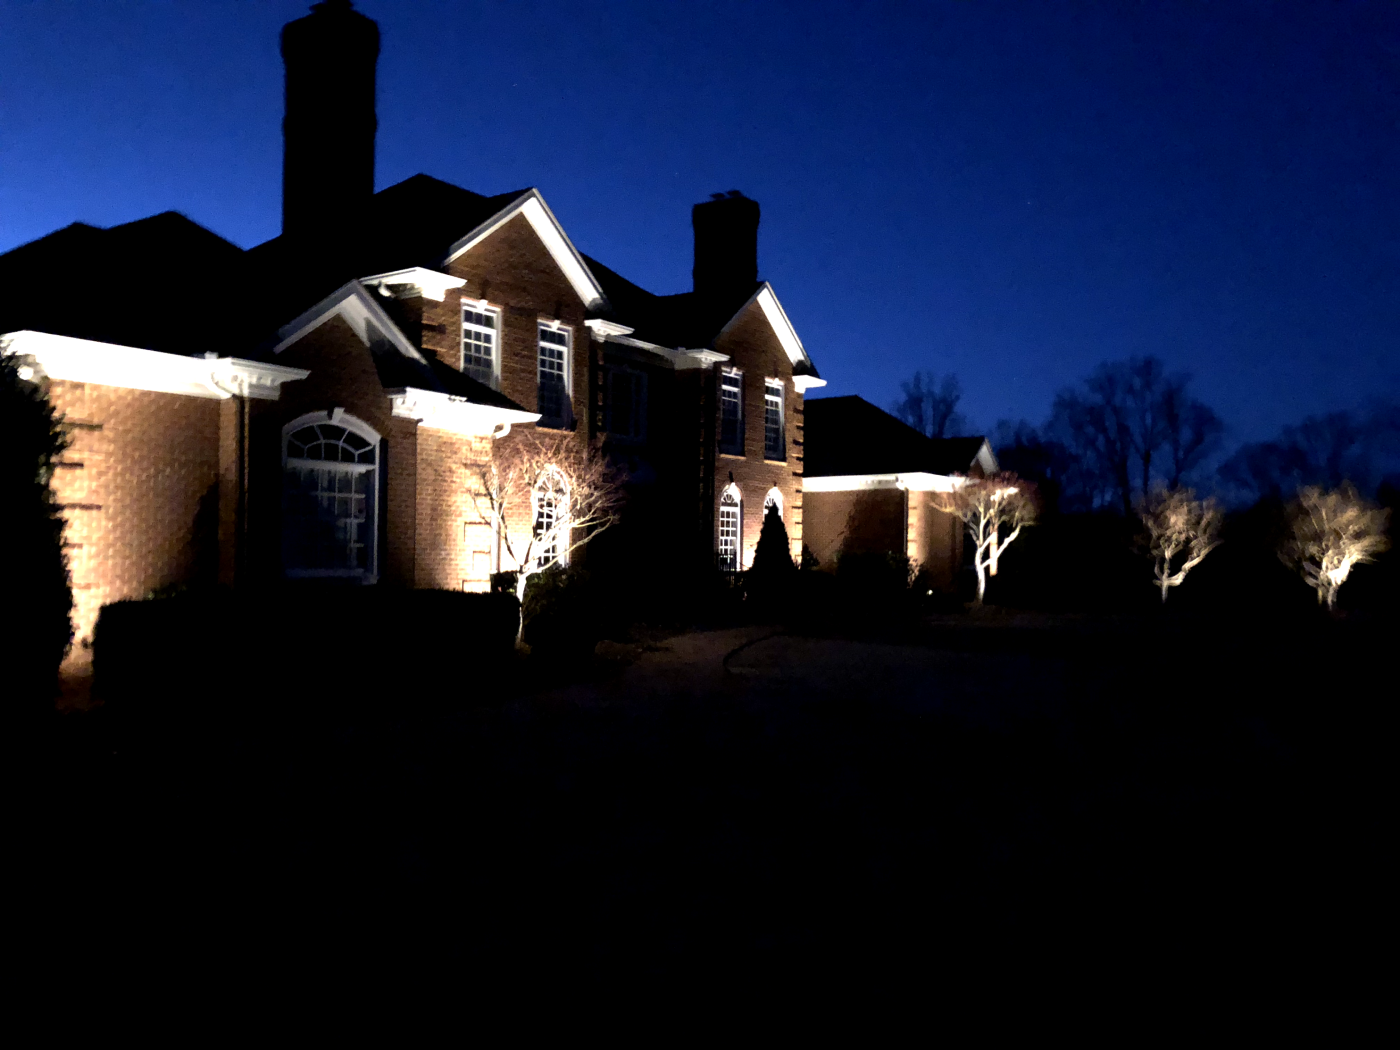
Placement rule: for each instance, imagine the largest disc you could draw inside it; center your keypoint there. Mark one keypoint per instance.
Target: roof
(846, 436)
(100, 284)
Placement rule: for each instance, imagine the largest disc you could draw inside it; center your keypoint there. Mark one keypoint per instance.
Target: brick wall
(453, 544)
(754, 349)
(140, 492)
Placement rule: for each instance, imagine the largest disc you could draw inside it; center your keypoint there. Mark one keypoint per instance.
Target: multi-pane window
(731, 412)
(625, 400)
(554, 375)
(480, 340)
(729, 526)
(774, 447)
(551, 502)
(329, 502)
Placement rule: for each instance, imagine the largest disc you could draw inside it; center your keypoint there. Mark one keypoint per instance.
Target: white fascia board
(430, 284)
(605, 330)
(438, 411)
(536, 212)
(357, 308)
(913, 481)
(134, 368)
(678, 357)
(987, 458)
(777, 319)
(805, 383)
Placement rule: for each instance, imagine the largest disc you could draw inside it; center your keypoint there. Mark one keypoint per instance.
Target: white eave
(536, 212)
(986, 458)
(777, 319)
(439, 411)
(414, 281)
(911, 481)
(356, 307)
(134, 368)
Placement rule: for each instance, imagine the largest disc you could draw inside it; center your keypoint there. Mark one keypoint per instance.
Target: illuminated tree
(1181, 531)
(544, 497)
(1331, 532)
(994, 509)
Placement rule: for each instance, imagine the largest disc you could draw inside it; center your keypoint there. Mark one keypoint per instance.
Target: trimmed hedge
(300, 650)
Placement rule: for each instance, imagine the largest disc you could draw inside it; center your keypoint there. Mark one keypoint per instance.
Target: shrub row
(301, 650)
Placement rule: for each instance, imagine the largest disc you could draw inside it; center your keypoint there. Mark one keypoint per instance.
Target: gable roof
(846, 436)
(142, 284)
(399, 364)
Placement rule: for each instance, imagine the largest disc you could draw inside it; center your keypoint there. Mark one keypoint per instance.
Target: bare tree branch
(988, 507)
(1332, 532)
(1179, 525)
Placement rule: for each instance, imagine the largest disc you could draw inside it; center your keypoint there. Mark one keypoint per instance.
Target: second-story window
(481, 328)
(626, 404)
(774, 447)
(554, 375)
(731, 412)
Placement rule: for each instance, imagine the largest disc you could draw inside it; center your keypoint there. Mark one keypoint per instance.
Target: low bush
(297, 650)
(567, 612)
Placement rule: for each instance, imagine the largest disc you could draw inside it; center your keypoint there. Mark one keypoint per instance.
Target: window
(773, 499)
(554, 375)
(330, 496)
(625, 402)
(480, 338)
(774, 447)
(730, 529)
(550, 503)
(731, 412)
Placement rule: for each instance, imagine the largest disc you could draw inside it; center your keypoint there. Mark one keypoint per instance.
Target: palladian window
(730, 529)
(330, 506)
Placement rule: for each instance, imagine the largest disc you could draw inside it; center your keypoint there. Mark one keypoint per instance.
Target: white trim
(774, 495)
(603, 330)
(805, 383)
(133, 368)
(777, 319)
(913, 481)
(357, 308)
(430, 284)
(438, 411)
(536, 212)
(339, 417)
(987, 458)
(481, 306)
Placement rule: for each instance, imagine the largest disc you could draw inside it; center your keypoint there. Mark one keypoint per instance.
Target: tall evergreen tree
(36, 597)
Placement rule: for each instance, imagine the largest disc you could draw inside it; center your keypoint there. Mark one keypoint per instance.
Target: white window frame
(562, 421)
(769, 383)
(775, 495)
(481, 306)
(731, 491)
(339, 417)
(732, 373)
(559, 507)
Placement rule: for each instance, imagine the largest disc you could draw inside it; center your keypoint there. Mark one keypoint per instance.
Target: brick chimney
(726, 245)
(329, 125)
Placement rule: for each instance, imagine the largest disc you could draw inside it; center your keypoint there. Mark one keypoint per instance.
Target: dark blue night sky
(1009, 192)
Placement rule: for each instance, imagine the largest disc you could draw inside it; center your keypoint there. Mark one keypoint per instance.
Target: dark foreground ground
(1201, 801)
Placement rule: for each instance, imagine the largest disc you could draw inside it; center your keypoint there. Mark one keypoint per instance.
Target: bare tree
(1181, 531)
(930, 405)
(544, 497)
(993, 509)
(1331, 532)
(1131, 423)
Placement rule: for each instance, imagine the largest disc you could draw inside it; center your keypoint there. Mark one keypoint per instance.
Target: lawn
(966, 791)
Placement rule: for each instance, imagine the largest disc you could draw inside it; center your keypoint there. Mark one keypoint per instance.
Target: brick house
(314, 407)
(871, 483)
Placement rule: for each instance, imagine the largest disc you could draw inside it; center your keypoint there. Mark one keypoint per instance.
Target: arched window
(549, 504)
(773, 499)
(330, 497)
(730, 528)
